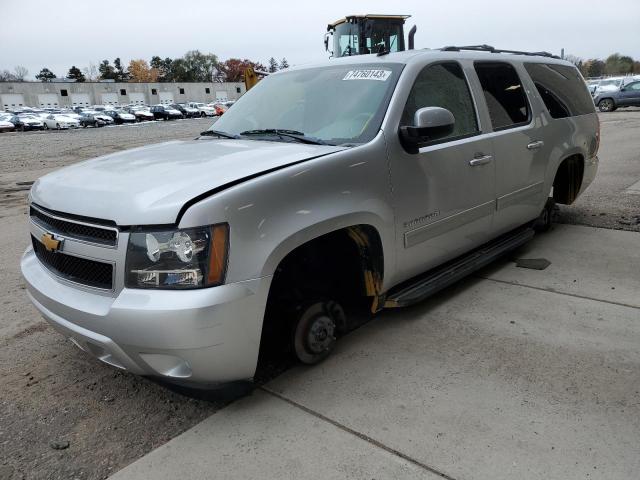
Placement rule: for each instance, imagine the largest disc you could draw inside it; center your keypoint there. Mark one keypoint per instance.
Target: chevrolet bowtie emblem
(50, 243)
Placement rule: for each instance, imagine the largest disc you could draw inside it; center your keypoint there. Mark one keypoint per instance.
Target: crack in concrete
(575, 295)
(360, 435)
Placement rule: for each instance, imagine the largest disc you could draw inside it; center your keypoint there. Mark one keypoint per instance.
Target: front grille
(74, 229)
(75, 269)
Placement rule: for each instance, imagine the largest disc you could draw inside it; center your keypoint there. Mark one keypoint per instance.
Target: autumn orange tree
(140, 71)
(233, 69)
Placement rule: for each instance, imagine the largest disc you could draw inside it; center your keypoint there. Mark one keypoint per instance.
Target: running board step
(457, 269)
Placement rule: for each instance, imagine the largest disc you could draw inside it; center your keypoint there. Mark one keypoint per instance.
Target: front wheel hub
(314, 335)
(321, 334)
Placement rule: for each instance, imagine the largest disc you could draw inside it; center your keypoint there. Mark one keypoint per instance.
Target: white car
(204, 110)
(59, 121)
(6, 126)
(68, 113)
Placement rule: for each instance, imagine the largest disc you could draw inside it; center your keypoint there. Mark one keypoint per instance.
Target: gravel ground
(51, 393)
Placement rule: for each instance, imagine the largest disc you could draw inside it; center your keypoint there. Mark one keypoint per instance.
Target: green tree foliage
(593, 67)
(75, 74)
(121, 74)
(107, 72)
(199, 67)
(45, 75)
(163, 67)
(618, 64)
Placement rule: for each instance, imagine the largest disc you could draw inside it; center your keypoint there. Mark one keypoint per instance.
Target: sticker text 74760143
(380, 75)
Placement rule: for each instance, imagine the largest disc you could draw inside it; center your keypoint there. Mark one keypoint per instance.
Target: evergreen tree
(273, 65)
(120, 73)
(107, 71)
(45, 75)
(284, 64)
(75, 74)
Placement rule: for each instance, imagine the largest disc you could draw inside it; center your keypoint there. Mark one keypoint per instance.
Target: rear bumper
(204, 336)
(589, 174)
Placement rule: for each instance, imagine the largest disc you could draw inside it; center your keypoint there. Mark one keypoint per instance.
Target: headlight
(174, 259)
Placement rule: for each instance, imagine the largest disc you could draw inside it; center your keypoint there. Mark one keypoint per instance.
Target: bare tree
(20, 73)
(7, 76)
(91, 72)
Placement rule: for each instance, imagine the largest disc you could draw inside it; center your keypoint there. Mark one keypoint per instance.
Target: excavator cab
(364, 34)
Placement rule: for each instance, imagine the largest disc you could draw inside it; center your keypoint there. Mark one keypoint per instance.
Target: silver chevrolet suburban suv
(366, 182)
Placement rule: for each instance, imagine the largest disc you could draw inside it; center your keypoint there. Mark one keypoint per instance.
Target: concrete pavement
(513, 373)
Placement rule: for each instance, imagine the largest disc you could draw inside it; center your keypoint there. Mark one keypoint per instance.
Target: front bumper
(204, 336)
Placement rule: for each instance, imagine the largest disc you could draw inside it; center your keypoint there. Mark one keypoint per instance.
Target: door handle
(480, 160)
(535, 145)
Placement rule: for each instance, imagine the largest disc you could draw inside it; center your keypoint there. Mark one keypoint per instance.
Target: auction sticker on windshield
(380, 75)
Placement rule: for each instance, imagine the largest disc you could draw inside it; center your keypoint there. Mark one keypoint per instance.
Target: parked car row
(27, 118)
(611, 93)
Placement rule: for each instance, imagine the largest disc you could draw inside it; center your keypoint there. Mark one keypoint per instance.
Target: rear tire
(45, 126)
(202, 114)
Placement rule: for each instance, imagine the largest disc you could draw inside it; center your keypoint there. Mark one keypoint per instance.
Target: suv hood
(149, 185)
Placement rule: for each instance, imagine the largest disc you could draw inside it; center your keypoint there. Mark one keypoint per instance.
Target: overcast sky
(60, 33)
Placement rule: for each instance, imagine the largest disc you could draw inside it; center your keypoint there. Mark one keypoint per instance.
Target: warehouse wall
(47, 94)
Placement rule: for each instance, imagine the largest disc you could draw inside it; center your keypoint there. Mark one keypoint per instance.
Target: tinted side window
(504, 93)
(443, 85)
(562, 89)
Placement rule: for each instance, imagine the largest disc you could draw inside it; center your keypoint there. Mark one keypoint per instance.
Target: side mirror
(429, 124)
(328, 35)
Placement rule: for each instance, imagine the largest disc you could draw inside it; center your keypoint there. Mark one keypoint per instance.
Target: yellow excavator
(357, 35)
(252, 77)
(365, 34)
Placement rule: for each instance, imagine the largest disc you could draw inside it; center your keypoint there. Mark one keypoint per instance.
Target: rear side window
(443, 85)
(562, 89)
(504, 93)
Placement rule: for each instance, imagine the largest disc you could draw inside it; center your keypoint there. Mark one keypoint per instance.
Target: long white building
(71, 94)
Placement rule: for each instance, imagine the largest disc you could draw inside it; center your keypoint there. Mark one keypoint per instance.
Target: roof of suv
(410, 56)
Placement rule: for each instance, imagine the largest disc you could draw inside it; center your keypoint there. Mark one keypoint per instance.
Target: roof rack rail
(489, 48)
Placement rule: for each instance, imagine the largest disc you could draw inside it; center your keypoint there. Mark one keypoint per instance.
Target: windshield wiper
(296, 135)
(218, 133)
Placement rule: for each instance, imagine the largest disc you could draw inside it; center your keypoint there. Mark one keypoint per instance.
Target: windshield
(337, 104)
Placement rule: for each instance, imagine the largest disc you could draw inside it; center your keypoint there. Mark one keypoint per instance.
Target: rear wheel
(45, 126)
(57, 126)
(606, 105)
(202, 114)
